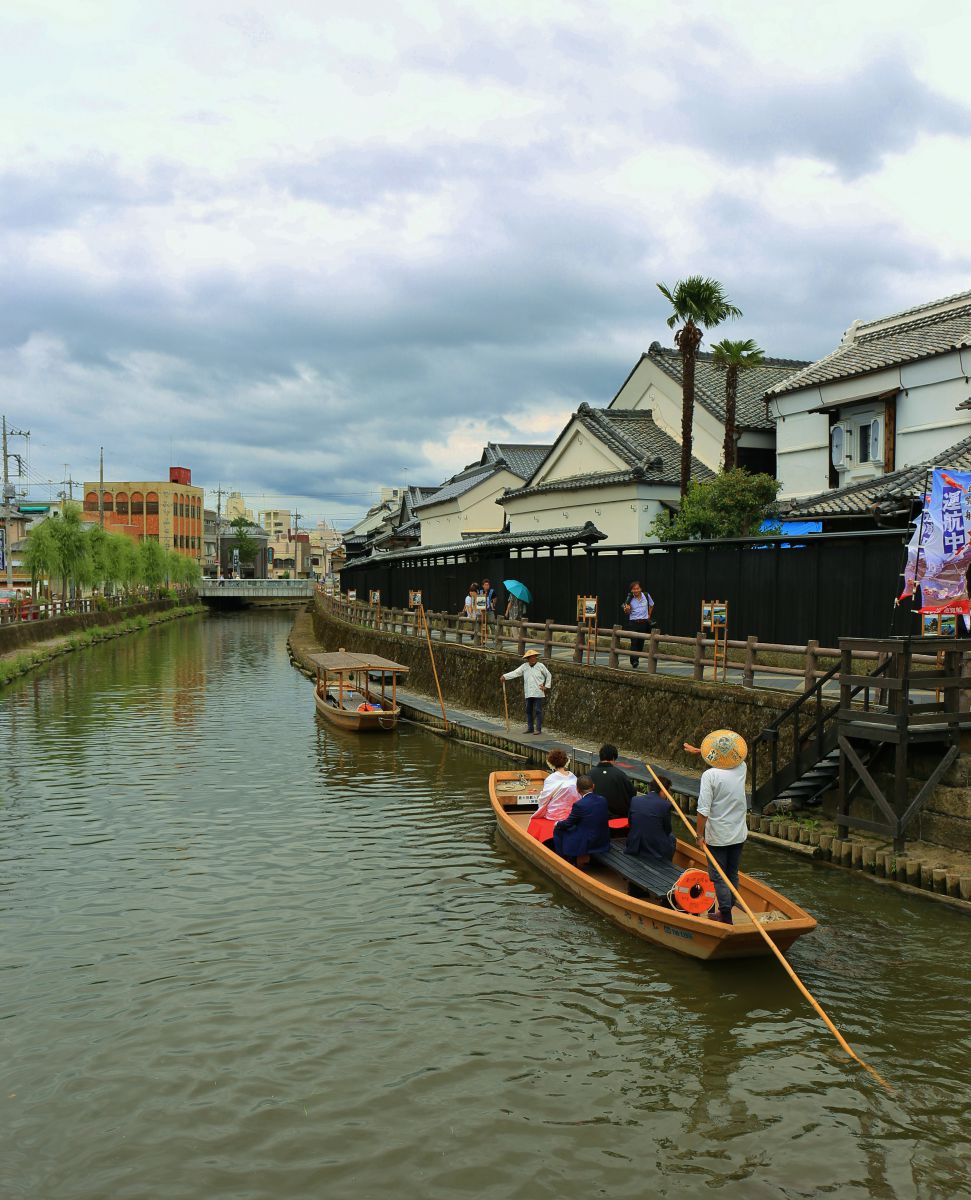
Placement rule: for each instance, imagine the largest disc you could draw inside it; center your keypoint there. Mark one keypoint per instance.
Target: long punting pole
(431, 655)
(505, 703)
(772, 946)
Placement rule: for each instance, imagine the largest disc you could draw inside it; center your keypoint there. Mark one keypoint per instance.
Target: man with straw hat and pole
(536, 679)
(722, 809)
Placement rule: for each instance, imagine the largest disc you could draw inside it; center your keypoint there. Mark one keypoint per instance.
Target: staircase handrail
(770, 734)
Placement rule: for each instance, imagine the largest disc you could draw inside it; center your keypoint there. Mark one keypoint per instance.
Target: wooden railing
(17, 611)
(613, 643)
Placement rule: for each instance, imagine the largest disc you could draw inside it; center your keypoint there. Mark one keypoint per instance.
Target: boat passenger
(557, 798)
(650, 824)
(611, 782)
(585, 831)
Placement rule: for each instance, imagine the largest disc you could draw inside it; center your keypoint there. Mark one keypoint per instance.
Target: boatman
(536, 680)
(722, 809)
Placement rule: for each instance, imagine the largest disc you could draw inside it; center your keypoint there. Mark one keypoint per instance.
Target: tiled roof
(887, 492)
(522, 459)
(917, 333)
(576, 483)
(640, 442)
(565, 536)
(459, 484)
(753, 383)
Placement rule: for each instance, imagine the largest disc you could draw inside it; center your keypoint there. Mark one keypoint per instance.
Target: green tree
(697, 304)
(152, 563)
(733, 357)
(246, 544)
(59, 548)
(733, 504)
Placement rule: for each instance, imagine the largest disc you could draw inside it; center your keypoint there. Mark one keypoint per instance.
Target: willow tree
(733, 357)
(152, 563)
(697, 303)
(42, 555)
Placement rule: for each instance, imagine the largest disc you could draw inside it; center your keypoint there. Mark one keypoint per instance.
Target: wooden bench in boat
(650, 874)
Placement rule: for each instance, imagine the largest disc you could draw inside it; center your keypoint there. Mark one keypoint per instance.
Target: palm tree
(733, 357)
(696, 301)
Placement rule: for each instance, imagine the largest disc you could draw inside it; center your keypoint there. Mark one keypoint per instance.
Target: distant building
(169, 513)
(276, 521)
(235, 507)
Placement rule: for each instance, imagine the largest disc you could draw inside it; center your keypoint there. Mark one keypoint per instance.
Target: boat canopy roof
(347, 660)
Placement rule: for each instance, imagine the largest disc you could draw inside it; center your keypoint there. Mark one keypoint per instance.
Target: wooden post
(613, 654)
(812, 647)
(521, 645)
(548, 639)
(578, 642)
(748, 671)
(699, 672)
(652, 642)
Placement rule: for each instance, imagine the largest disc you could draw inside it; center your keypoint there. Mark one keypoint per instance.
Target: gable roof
(523, 459)
(887, 493)
(916, 333)
(753, 383)
(459, 484)
(650, 454)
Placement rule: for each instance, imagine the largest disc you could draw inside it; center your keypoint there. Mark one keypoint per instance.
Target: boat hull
(384, 721)
(694, 936)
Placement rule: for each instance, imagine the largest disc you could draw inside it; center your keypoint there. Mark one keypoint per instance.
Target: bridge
(239, 593)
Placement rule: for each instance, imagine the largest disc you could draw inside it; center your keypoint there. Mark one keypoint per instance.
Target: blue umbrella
(519, 590)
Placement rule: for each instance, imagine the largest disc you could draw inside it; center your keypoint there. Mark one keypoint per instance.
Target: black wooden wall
(786, 590)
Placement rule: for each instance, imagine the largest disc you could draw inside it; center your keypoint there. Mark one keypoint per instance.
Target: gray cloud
(851, 123)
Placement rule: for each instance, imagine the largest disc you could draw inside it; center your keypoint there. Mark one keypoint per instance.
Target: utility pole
(69, 483)
(101, 490)
(296, 526)
(219, 522)
(7, 511)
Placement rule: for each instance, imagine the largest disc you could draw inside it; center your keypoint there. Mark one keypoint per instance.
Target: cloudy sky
(311, 247)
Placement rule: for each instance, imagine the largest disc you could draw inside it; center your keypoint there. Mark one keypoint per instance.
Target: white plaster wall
(802, 453)
(474, 512)
(624, 514)
(650, 388)
(578, 454)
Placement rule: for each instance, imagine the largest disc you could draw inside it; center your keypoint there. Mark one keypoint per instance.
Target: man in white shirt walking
(536, 680)
(722, 810)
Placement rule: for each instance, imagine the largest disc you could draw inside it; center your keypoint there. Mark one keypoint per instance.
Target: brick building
(169, 513)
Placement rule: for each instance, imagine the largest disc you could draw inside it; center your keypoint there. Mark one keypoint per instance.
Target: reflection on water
(246, 955)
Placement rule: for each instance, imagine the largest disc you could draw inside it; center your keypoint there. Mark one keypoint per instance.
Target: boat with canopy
(347, 691)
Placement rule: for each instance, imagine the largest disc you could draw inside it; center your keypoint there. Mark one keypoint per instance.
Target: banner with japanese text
(939, 552)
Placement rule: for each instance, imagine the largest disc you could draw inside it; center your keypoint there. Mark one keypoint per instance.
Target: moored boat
(346, 692)
(632, 893)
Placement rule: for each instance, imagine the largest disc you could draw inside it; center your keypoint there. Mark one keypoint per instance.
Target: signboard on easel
(587, 617)
(414, 598)
(714, 620)
(352, 593)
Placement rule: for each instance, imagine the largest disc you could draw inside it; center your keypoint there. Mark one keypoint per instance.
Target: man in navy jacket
(585, 830)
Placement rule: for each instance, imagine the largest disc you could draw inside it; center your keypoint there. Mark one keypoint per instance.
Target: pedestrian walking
(491, 615)
(722, 809)
(468, 608)
(536, 682)
(638, 608)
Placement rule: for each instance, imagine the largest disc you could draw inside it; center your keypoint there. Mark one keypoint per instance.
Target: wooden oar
(505, 704)
(769, 942)
(431, 656)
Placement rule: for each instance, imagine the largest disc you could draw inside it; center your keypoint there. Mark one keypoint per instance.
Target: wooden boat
(647, 914)
(346, 695)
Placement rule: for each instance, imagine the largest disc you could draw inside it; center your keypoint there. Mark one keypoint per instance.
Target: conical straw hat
(724, 748)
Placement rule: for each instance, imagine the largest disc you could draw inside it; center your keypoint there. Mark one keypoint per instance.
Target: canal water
(245, 956)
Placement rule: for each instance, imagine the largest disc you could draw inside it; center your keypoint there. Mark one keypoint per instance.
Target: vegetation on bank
(69, 550)
(15, 665)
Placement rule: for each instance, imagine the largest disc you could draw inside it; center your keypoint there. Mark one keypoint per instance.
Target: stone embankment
(648, 717)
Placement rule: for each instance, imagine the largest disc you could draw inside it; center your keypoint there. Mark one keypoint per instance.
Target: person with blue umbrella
(519, 597)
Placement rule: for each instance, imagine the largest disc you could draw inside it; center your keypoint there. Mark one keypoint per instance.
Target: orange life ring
(694, 892)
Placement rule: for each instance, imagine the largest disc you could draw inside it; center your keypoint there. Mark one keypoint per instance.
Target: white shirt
(535, 676)
(722, 800)
(640, 607)
(558, 796)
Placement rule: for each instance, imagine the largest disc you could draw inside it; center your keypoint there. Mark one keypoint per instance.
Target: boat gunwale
(797, 920)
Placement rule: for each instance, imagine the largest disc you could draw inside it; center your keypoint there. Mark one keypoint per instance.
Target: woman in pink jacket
(557, 798)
